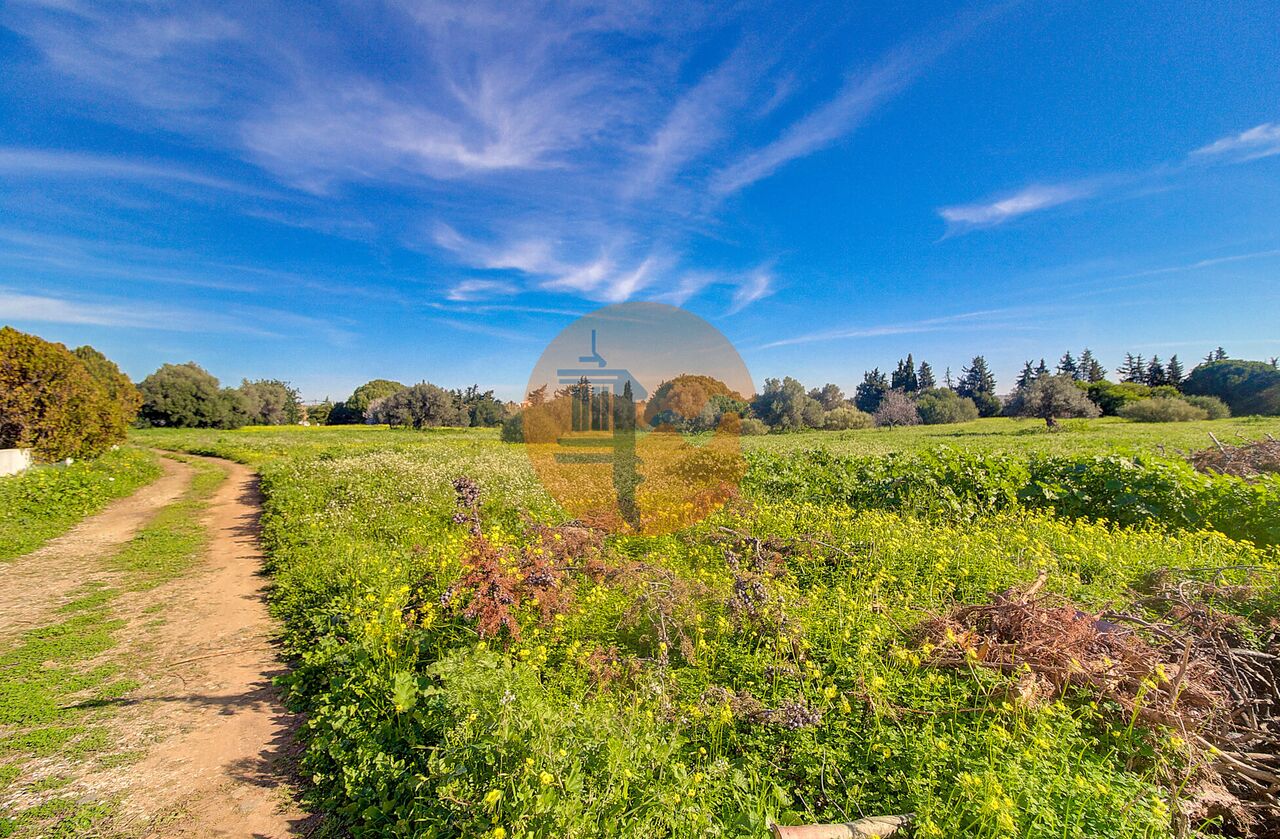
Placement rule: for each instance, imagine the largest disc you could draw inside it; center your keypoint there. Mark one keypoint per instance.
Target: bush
(188, 396)
(513, 429)
(989, 405)
(1162, 409)
(1248, 387)
(943, 406)
(896, 408)
(1110, 397)
(351, 412)
(50, 402)
(123, 399)
(1211, 405)
(752, 427)
(846, 418)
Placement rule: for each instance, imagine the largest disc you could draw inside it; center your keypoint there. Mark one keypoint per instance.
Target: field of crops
(489, 669)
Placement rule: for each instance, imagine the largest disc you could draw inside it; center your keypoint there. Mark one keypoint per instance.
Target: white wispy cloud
(1255, 143)
(857, 99)
(41, 163)
(982, 319)
(468, 291)
(1259, 141)
(756, 286)
(1026, 200)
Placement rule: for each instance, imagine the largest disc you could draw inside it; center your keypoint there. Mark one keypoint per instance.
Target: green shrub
(1110, 397)
(846, 418)
(1162, 409)
(513, 429)
(52, 403)
(1211, 405)
(752, 427)
(944, 406)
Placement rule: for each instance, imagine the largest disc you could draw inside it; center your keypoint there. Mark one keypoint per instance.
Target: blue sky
(434, 190)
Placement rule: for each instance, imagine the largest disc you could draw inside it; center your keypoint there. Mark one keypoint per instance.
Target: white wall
(13, 461)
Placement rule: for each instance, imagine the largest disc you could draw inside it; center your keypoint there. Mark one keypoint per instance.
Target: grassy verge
(44, 502)
(173, 541)
(58, 683)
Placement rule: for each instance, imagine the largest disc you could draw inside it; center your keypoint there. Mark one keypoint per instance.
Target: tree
(904, 377)
(1219, 354)
(1042, 369)
(942, 406)
(1067, 366)
(271, 402)
(1134, 369)
(422, 406)
(829, 397)
(483, 409)
(1173, 374)
(976, 378)
(867, 396)
(947, 381)
(1026, 377)
(538, 396)
(1052, 398)
(1155, 376)
(896, 408)
(371, 390)
(123, 399)
(1089, 368)
(1248, 387)
(925, 377)
(785, 405)
(50, 402)
(188, 396)
(318, 414)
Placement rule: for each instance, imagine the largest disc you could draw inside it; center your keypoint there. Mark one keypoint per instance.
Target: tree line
(75, 403)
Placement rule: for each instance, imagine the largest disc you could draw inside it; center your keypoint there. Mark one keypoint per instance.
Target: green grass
(46, 501)
(613, 717)
(175, 538)
(1109, 435)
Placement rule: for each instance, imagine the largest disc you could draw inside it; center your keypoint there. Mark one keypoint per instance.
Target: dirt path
(37, 583)
(221, 755)
(206, 747)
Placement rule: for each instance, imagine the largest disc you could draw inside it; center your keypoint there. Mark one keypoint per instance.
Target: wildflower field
(472, 664)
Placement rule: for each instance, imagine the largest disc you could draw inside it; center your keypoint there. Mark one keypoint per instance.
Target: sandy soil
(209, 745)
(37, 583)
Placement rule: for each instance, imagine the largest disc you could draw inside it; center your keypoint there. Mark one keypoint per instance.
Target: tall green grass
(657, 704)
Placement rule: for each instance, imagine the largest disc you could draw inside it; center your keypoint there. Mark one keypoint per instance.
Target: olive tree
(1052, 398)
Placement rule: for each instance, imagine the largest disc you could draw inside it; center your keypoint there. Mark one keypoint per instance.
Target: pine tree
(1067, 366)
(947, 381)
(925, 377)
(1027, 376)
(1219, 354)
(976, 378)
(1155, 372)
(1173, 372)
(1134, 369)
(904, 377)
(872, 390)
(1090, 369)
(1042, 369)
